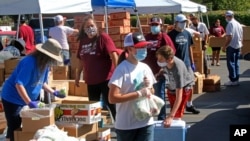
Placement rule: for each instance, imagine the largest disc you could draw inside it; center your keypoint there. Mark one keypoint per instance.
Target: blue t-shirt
(182, 42)
(27, 74)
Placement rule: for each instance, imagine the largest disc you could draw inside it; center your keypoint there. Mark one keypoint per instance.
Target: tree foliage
(235, 5)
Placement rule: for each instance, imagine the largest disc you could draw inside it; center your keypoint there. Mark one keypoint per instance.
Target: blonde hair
(165, 51)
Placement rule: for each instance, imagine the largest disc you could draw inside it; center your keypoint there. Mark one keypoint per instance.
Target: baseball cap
(229, 13)
(180, 18)
(59, 18)
(136, 40)
(155, 20)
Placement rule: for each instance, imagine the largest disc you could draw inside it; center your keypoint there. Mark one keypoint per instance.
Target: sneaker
(217, 64)
(230, 83)
(192, 109)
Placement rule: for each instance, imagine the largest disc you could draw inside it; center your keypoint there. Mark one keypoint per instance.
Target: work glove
(144, 92)
(193, 67)
(33, 104)
(146, 82)
(60, 94)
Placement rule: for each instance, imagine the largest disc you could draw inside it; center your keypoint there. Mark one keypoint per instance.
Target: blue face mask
(141, 54)
(155, 29)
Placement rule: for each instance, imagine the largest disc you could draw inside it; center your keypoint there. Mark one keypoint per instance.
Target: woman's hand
(167, 122)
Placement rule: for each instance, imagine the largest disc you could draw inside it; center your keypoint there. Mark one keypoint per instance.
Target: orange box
(99, 17)
(120, 22)
(134, 29)
(79, 18)
(60, 72)
(144, 20)
(100, 24)
(217, 41)
(118, 44)
(246, 33)
(119, 15)
(116, 30)
(74, 45)
(145, 28)
(115, 37)
(126, 29)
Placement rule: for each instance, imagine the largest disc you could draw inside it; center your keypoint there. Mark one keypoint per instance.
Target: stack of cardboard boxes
(246, 40)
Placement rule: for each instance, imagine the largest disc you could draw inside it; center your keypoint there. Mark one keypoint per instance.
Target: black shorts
(216, 48)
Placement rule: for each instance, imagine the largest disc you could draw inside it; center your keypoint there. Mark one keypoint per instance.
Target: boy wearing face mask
(158, 39)
(98, 58)
(182, 40)
(61, 33)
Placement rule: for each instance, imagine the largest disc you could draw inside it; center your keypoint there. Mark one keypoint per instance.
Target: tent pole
(138, 21)
(208, 25)
(106, 18)
(41, 27)
(18, 24)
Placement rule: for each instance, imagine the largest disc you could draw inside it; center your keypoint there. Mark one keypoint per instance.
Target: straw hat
(52, 48)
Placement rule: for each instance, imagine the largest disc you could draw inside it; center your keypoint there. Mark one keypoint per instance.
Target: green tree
(235, 5)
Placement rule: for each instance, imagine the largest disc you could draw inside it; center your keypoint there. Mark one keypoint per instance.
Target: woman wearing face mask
(179, 82)
(97, 60)
(158, 39)
(131, 80)
(183, 40)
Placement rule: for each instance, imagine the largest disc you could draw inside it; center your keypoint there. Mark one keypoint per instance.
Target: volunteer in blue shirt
(26, 81)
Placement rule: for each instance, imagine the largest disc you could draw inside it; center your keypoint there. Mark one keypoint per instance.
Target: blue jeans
(159, 88)
(66, 56)
(141, 134)
(233, 63)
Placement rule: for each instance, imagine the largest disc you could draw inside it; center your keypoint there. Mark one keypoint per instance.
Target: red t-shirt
(217, 31)
(157, 41)
(94, 54)
(27, 34)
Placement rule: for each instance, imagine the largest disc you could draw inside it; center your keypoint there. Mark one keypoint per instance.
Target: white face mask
(182, 25)
(164, 64)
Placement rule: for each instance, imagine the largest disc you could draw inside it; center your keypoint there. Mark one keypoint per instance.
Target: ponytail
(122, 56)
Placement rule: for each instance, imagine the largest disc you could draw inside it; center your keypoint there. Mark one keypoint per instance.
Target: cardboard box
(88, 131)
(78, 25)
(217, 41)
(38, 117)
(99, 17)
(10, 65)
(198, 87)
(246, 33)
(73, 46)
(120, 22)
(176, 132)
(211, 88)
(81, 112)
(211, 83)
(60, 84)
(115, 37)
(246, 47)
(118, 44)
(72, 39)
(82, 90)
(144, 20)
(2, 78)
(135, 29)
(119, 15)
(79, 18)
(116, 30)
(197, 43)
(100, 24)
(104, 134)
(198, 61)
(20, 135)
(3, 123)
(145, 28)
(60, 72)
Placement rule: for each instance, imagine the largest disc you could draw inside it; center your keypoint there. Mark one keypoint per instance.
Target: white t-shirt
(235, 30)
(60, 33)
(202, 28)
(129, 78)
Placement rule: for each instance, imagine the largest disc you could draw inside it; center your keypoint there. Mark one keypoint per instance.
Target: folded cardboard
(81, 112)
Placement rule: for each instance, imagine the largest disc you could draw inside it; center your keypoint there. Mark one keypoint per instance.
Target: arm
(114, 58)
(191, 55)
(23, 93)
(47, 88)
(78, 73)
(228, 40)
(116, 97)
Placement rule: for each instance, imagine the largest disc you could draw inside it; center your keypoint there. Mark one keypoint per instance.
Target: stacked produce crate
(246, 40)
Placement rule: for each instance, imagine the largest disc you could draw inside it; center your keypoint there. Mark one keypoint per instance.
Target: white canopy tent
(189, 6)
(17, 7)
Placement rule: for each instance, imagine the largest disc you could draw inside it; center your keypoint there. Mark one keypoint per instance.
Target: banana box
(81, 112)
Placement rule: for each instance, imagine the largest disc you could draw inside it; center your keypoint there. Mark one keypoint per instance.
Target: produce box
(10, 65)
(60, 72)
(176, 132)
(198, 87)
(217, 41)
(39, 117)
(211, 83)
(104, 134)
(81, 112)
(119, 15)
(20, 135)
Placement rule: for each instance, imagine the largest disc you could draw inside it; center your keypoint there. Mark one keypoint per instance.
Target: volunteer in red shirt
(98, 57)
(26, 33)
(158, 39)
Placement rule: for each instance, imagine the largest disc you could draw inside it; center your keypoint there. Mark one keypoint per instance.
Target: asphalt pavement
(219, 110)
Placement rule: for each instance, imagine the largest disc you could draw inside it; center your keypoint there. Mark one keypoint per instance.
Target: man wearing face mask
(234, 38)
(158, 39)
(202, 28)
(182, 40)
(61, 33)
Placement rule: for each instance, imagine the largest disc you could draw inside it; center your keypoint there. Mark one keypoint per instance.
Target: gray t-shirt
(235, 30)
(179, 76)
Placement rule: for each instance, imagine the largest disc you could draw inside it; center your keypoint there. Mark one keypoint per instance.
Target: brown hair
(122, 56)
(165, 51)
(82, 33)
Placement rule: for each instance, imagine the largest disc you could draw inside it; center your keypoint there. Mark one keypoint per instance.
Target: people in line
(25, 83)
(202, 28)
(182, 40)
(157, 39)
(60, 33)
(217, 31)
(131, 81)
(26, 33)
(179, 82)
(98, 58)
(234, 38)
